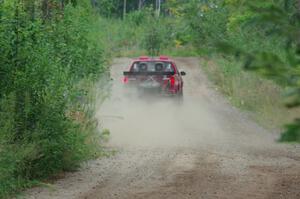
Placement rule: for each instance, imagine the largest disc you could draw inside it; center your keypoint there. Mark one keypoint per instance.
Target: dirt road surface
(200, 148)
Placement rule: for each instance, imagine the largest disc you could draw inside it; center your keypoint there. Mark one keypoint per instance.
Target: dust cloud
(151, 120)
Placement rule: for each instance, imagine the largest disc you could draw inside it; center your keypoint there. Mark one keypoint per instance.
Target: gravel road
(200, 148)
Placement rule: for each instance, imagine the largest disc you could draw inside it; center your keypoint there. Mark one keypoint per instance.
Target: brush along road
(201, 147)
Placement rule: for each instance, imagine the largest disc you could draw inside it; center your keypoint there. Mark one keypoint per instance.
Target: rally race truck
(156, 74)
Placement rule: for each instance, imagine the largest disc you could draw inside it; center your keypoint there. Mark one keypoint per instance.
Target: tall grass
(132, 38)
(261, 98)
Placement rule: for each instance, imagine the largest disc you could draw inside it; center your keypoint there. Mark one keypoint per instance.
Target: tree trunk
(30, 9)
(124, 9)
(32, 115)
(62, 3)
(45, 10)
(158, 10)
(19, 93)
(157, 7)
(94, 3)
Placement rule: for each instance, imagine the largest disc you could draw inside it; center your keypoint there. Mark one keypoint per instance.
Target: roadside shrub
(153, 39)
(47, 68)
(138, 17)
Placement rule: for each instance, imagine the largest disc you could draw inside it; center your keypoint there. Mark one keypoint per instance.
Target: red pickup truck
(159, 74)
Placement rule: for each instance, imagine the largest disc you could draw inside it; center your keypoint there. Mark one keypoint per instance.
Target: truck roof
(146, 58)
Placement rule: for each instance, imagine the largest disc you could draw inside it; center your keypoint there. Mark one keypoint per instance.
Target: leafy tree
(265, 34)
(280, 20)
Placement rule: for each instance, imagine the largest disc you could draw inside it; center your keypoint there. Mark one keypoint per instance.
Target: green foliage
(108, 8)
(276, 21)
(264, 35)
(261, 98)
(114, 8)
(153, 39)
(138, 17)
(207, 21)
(52, 52)
(46, 121)
(105, 134)
(141, 33)
(292, 134)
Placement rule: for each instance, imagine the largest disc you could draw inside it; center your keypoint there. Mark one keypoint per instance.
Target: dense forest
(53, 53)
